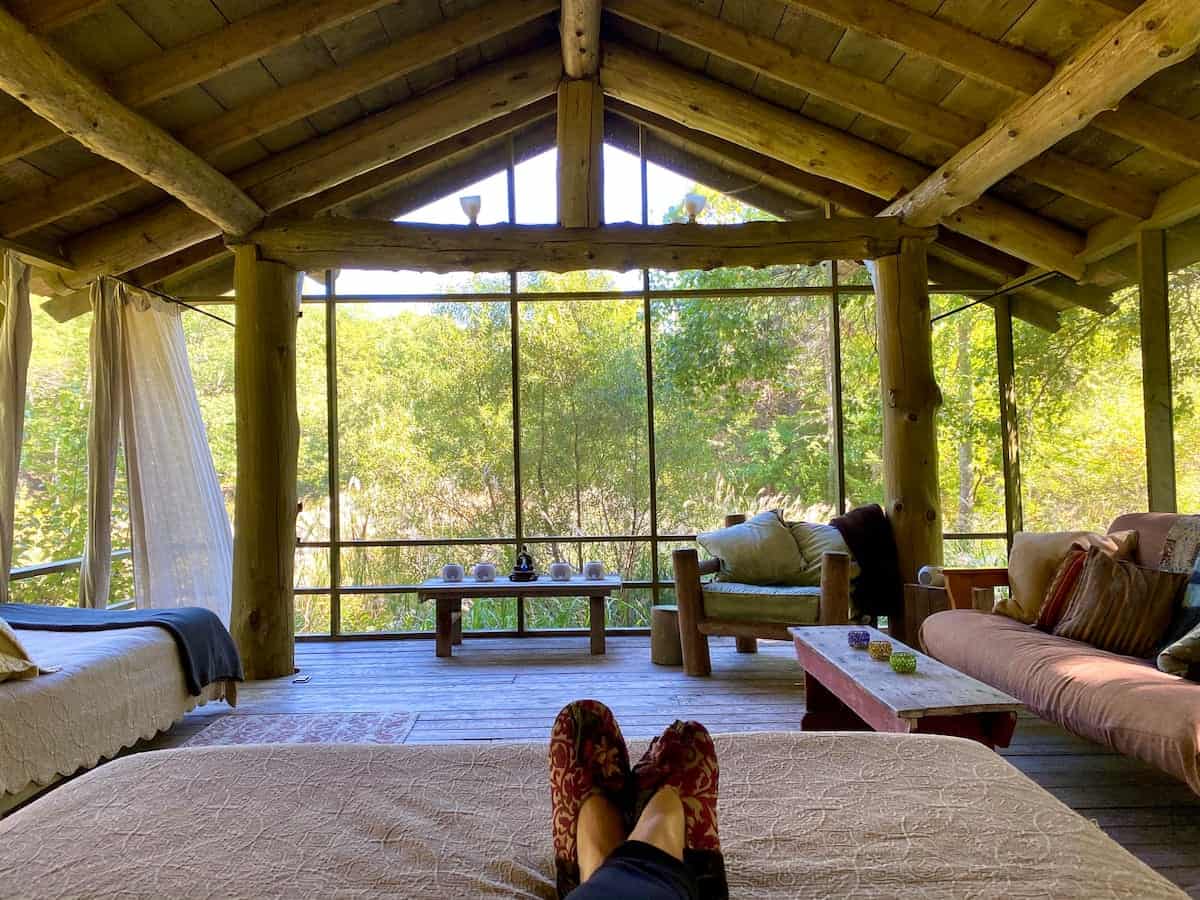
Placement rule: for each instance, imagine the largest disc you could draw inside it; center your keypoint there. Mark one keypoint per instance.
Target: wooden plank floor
(510, 689)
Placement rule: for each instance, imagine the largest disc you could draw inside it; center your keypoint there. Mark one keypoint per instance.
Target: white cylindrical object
(593, 570)
(560, 571)
(931, 576)
(452, 572)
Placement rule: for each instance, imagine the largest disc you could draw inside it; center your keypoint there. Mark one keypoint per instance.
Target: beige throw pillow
(815, 540)
(14, 660)
(1036, 557)
(760, 550)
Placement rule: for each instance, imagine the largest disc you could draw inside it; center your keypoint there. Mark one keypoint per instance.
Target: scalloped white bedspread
(114, 689)
(801, 816)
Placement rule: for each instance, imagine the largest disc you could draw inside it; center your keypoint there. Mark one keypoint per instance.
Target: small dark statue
(524, 570)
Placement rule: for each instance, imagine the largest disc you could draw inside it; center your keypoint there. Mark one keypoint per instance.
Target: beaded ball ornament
(880, 650)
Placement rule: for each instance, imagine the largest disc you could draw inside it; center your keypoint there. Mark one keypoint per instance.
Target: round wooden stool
(665, 649)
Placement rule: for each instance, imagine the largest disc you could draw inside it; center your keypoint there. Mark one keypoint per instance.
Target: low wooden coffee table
(846, 690)
(450, 595)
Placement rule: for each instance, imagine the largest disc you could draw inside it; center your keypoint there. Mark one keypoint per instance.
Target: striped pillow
(1062, 587)
(1120, 607)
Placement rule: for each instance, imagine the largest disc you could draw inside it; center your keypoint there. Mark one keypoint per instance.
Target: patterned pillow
(760, 550)
(1036, 557)
(1120, 607)
(1183, 656)
(14, 660)
(1062, 585)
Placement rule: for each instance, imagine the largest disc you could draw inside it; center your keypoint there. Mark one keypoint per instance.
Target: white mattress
(801, 816)
(114, 689)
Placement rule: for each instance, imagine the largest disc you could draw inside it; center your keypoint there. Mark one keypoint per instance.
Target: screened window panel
(425, 420)
(1185, 376)
(584, 458)
(1079, 399)
(742, 408)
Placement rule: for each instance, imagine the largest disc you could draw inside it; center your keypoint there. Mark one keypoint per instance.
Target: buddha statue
(524, 569)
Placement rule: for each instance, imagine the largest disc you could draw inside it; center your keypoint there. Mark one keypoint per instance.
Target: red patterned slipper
(684, 758)
(587, 756)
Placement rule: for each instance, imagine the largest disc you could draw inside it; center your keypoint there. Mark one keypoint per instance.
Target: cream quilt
(801, 815)
(114, 688)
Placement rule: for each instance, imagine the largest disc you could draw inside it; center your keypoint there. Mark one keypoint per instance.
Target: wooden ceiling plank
(580, 32)
(1160, 34)
(277, 109)
(197, 60)
(705, 105)
(36, 74)
(323, 162)
(1096, 187)
(1001, 66)
(46, 15)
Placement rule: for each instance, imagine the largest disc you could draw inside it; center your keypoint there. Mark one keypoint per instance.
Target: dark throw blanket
(206, 649)
(878, 589)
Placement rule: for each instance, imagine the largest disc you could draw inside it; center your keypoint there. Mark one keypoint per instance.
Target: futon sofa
(1119, 701)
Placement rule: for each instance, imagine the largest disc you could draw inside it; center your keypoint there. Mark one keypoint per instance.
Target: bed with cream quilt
(112, 689)
(802, 816)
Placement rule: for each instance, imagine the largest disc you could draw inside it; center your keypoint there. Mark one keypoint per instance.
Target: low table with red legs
(846, 690)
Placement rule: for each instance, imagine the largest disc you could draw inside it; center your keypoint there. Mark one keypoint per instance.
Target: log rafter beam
(706, 105)
(365, 243)
(321, 163)
(1158, 35)
(195, 61)
(950, 130)
(579, 28)
(276, 109)
(1001, 66)
(40, 77)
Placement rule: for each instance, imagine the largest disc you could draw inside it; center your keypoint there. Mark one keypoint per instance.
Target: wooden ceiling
(369, 107)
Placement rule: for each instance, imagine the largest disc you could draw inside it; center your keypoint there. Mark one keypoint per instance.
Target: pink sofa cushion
(1120, 701)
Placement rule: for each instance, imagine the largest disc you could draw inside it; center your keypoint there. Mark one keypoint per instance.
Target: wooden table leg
(456, 615)
(823, 711)
(596, 624)
(445, 625)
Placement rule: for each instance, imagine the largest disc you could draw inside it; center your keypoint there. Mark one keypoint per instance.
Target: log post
(268, 433)
(910, 401)
(580, 153)
(1156, 370)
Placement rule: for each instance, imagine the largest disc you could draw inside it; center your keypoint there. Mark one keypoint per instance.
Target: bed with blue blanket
(115, 678)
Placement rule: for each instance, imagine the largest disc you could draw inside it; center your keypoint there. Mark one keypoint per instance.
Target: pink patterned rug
(315, 728)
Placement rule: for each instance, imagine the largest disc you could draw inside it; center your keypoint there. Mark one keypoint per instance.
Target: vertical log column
(580, 118)
(580, 153)
(268, 432)
(910, 401)
(1156, 370)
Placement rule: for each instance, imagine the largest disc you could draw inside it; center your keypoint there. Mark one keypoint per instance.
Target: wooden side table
(920, 602)
(449, 596)
(665, 646)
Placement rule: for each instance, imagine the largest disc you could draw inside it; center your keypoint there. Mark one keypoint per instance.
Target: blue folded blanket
(206, 649)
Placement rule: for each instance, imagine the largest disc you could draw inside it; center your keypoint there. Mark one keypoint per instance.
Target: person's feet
(683, 758)
(588, 757)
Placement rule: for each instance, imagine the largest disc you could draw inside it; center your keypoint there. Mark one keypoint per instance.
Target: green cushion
(761, 604)
(760, 550)
(814, 541)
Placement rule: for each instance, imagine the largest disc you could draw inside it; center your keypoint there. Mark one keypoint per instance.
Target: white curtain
(182, 541)
(16, 343)
(104, 431)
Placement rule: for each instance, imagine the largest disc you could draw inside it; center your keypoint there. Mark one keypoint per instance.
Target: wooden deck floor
(506, 689)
